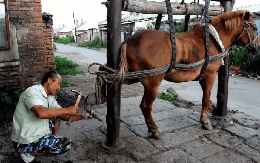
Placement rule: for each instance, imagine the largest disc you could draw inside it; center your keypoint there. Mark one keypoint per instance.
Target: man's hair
(51, 74)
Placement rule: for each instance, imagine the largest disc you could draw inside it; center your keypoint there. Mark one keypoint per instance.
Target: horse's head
(249, 36)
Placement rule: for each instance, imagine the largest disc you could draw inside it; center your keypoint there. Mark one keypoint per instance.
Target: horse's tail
(123, 67)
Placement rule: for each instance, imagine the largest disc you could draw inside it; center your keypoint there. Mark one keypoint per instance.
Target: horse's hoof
(158, 134)
(207, 126)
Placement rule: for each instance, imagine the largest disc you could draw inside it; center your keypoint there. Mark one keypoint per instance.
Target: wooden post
(114, 9)
(186, 23)
(158, 22)
(223, 75)
(219, 116)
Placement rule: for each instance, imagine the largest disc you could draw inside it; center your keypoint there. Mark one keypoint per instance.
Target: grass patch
(171, 97)
(66, 67)
(94, 44)
(230, 110)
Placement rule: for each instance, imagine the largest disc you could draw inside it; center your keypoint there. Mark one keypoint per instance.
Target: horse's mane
(232, 19)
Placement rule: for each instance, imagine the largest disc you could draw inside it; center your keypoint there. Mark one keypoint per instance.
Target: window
(4, 26)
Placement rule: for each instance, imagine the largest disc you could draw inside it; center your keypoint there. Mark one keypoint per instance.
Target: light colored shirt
(28, 128)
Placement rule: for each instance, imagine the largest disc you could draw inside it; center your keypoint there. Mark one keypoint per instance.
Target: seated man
(36, 120)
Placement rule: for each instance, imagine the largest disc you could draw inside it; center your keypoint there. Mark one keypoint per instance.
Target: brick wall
(34, 39)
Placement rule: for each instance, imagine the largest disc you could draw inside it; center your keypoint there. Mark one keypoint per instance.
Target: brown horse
(149, 49)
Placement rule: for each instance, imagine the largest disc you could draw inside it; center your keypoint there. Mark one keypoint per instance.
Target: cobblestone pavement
(183, 138)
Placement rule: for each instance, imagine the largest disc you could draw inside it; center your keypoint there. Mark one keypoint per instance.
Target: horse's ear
(247, 15)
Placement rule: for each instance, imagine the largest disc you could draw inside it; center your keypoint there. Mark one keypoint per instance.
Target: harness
(247, 26)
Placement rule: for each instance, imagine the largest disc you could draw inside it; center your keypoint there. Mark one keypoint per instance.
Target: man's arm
(74, 118)
(47, 113)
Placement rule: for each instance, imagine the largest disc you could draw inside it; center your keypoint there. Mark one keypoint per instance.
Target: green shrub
(242, 58)
(94, 44)
(238, 56)
(66, 67)
(8, 100)
(64, 40)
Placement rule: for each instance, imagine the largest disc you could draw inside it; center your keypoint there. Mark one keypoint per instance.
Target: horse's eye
(247, 26)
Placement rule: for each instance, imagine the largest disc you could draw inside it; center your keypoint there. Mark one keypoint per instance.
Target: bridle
(247, 26)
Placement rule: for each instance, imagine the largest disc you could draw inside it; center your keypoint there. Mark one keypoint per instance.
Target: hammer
(76, 104)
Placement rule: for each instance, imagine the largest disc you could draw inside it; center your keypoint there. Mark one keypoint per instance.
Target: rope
(111, 77)
(207, 2)
(172, 34)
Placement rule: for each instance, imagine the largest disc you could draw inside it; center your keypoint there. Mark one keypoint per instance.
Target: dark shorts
(50, 144)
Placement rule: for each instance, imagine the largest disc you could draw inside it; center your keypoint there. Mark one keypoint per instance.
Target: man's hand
(74, 110)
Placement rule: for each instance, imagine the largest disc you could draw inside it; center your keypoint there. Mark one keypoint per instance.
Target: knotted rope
(109, 75)
(207, 2)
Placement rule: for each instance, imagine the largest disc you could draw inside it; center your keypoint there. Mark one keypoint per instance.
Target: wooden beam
(151, 7)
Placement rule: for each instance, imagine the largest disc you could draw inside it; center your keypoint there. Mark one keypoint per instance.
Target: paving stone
(201, 148)
(254, 142)
(241, 131)
(88, 151)
(194, 115)
(225, 139)
(158, 116)
(173, 156)
(76, 129)
(92, 124)
(167, 121)
(2, 157)
(177, 122)
(248, 151)
(141, 130)
(227, 156)
(125, 132)
(116, 158)
(139, 147)
(131, 106)
(162, 105)
(6, 144)
(94, 136)
(181, 136)
(134, 120)
(246, 120)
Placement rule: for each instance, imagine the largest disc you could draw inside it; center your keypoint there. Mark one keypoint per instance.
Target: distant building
(130, 23)
(65, 31)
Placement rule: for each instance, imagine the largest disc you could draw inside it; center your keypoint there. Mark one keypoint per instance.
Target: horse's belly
(181, 76)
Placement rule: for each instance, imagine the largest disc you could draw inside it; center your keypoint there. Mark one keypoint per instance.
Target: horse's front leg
(206, 83)
(151, 89)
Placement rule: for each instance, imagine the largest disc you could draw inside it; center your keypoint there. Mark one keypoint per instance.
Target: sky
(93, 11)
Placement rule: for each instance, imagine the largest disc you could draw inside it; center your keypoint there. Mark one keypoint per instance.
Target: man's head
(51, 82)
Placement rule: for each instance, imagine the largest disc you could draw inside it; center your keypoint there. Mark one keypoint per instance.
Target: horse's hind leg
(206, 83)
(151, 89)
